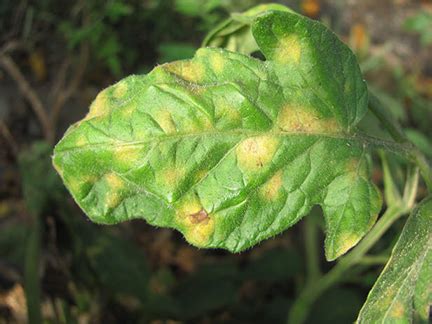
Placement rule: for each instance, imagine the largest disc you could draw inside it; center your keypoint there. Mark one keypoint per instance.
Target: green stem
(397, 134)
(424, 167)
(311, 246)
(374, 260)
(384, 117)
(314, 290)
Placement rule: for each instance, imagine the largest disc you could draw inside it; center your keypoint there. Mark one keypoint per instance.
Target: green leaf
(234, 33)
(40, 185)
(228, 149)
(405, 285)
(211, 287)
(111, 258)
(196, 8)
(421, 23)
(338, 305)
(175, 51)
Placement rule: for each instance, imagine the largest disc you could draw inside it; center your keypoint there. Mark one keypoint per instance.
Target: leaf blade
(402, 287)
(225, 148)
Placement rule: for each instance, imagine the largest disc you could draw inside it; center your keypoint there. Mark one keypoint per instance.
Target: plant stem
(374, 259)
(384, 117)
(424, 167)
(30, 94)
(397, 134)
(311, 246)
(315, 289)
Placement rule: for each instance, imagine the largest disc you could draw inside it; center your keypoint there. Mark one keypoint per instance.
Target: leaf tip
(341, 246)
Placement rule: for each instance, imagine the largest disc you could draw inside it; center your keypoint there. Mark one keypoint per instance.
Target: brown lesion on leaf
(199, 217)
(197, 224)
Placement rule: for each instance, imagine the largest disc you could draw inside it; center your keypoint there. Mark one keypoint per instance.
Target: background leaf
(404, 286)
(234, 33)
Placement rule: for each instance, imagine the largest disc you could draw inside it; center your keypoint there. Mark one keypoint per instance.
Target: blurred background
(56, 55)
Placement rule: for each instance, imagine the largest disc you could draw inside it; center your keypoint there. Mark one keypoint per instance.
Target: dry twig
(30, 94)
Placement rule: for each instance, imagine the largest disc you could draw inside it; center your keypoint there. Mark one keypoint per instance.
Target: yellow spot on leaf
(188, 70)
(172, 176)
(256, 152)
(166, 122)
(270, 189)
(200, 233)
(356, 168)
(225, 113)
(198, 225)
(127, 154)
(116, 185)
(346, 242)
(120, 90)
(81, 141)
(112, 199)
(301, 119)
(398, 310)
(200, 174)
(114, 181)
(288, 50)
(77, 183)
(99, 107)
(352, 165)
(58, 168)
(126, 112)
(206, 123)
(217, 63)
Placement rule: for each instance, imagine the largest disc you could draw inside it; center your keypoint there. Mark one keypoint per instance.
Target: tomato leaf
(404, 288)
(234, 33)
(228, 149)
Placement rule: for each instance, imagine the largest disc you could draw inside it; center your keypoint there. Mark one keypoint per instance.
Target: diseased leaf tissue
(228, 149)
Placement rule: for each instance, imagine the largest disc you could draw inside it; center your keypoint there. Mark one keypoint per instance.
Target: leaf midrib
(245, 133)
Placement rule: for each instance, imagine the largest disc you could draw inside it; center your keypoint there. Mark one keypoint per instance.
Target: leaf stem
(374, 260)
(313, 290)
(411, 152)
(311, 246)
(425, 168)
(381, 112)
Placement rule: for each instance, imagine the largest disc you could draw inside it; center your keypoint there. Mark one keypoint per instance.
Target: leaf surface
(234, 33)
(404, 289)
(228, 149)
